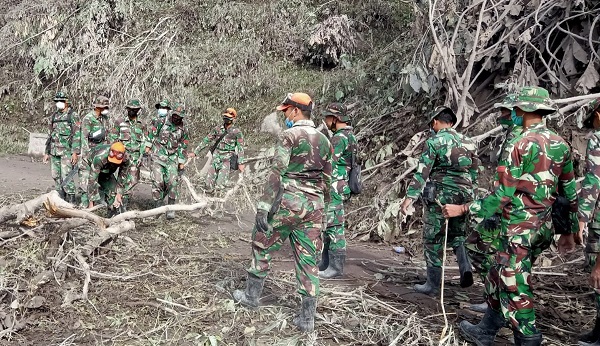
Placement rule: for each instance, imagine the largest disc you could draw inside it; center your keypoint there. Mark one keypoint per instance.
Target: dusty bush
(330, 40)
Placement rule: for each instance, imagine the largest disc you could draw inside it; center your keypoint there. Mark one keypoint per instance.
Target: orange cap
(230, 113)
(116, 153)
(300, 100)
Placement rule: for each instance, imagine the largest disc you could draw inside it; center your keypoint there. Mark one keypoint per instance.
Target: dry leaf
(579, 53)
(588, 80)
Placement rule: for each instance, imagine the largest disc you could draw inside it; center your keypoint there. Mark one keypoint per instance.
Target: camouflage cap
(439, 110)
(508, 101)
(592, 107)
(337, 110)
(134, 104)
(163, 104)
(533, 100)
(101, 102)
(61, 96)
(178, 110)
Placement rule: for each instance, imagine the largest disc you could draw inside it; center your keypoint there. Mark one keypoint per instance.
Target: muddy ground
(170, 284)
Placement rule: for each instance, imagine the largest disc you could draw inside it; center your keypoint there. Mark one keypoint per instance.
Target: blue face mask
(517, 120)
(432, 131)
(289, 123)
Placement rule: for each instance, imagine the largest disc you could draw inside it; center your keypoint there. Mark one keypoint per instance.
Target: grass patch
(13, 139)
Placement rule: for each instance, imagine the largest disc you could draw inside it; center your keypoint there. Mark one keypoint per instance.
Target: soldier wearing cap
(344, 146)
(227, 148)
(589, 214)
(60, 146)
(94, 131)
(168, 141)
(447, 173)
(538, 164)
(293, 206)
(133, 133)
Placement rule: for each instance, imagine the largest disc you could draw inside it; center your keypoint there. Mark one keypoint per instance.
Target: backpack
(354, 177)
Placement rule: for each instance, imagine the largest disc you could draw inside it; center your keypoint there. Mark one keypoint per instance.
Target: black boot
(434, 280)
(305, 320)
(591, 338)
(324, 263)
(336, 265)
(478, 307)
(250, 297)
(527, 340)
(171, 214)
(71, 198)
(464, 266)
(124, 204)
(483, 333)
(112, 211)
(62, 194)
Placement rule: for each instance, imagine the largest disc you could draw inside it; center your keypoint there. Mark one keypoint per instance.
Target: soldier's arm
(93, 185)
(240, 148)
(339, 145)
(122, 178)
(183, 145)
(590, 187)
(280, 164)
(423, 170)
(114, 130)
(568, 185)
(212, 136)
(84, 133)
(328, 174)
(49, 139)
(76, 145)
(474, 170)
(153, 133)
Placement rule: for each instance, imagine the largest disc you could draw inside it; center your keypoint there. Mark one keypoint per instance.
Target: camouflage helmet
(439, 110)
(163, 104)
(178, 110)
(133, 104)
(337, 110)
(533, 100)
(61, 96)
(591, 108)
(101, 102)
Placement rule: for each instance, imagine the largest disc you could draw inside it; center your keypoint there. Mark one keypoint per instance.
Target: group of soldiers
(96, 145)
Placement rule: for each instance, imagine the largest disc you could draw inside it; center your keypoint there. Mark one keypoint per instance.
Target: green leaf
(339, 94)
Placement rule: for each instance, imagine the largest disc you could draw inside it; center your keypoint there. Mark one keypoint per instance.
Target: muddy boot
(305, 320)
(125, 204)
(478, 307)
(71, 198)
(434, 279)
(336, 265)
(464, 266)
(483, 333)
(249, 297)
(171, 214)
(112, 211)
(527, 340)
(591, 338)
(62, 194)
(324, 263)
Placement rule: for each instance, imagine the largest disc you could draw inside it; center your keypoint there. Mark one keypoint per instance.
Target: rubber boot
(478, 307)
(112, 211)
(305, 320)
(62, 194)
(527, 340)
(591, 338)
(432, 285)
(171, 214)
(324, 263)
(250, 297)
(464, 266)
(71, 198)
(483, 333)
(124, 204)
(336, 265)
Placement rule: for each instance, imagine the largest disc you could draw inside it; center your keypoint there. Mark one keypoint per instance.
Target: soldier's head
(62, 101)
(101, 105)
(116, 154)
(229, 116)
(505, 119)
(177, 114)
(531, 103)
(336, 115)
(133, 108)
(163, 107)
(442, 117)
(296, 106)
(592, 120)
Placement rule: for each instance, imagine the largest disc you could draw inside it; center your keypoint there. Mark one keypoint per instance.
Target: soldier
(344, 146)
(451, 164)
(59, 146)
(589, 214)
(162, 109)
(293, 206)
(93, 132)
(168, 142)
(132, 132)
(100, 165)
(227, 146)
(538, 164)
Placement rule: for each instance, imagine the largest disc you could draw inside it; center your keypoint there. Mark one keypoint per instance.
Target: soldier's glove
(262, 225)
(491, 223)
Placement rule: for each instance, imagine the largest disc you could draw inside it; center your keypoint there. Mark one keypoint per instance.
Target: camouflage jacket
(301, 169)
(450, 160)
(62, 128)
(343, 143)
(133, 134)
(590, 187)
(233, 142)
(90, 126)
(168, 142)
(98, 163)
(538, 164)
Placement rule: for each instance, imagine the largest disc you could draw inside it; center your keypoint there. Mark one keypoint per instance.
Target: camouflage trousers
(165, 180)
(217, 176)
(335, 233)
(133, 178)
(303, 227)
(84, 177)
(108, 188)
(508, 284)
(60, 166)
(479, 245)
(592, 249)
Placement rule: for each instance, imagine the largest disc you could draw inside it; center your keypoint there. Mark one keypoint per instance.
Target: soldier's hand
(595, 276)
(74, 159)
(262, 225)
(241, 168)
(45, 158)
(579, 235)
(453, 210)
(566, 243)
(118, 201)
(404, 207)
(90, 205)
(190, 155)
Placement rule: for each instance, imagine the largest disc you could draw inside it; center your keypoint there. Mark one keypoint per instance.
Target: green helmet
(533, 100)
(439, 110)
(178, 109)
(591, 108)
(337, 110)
(61, 96)
(133, 104)
(163, 104)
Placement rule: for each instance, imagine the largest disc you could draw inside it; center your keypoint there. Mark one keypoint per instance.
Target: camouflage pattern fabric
(89, 124)
(102, 184)
(62, 128)
(342, 141)
(450, 160)
(233, 143)
(133, 134)
(538, 163)
(302, 169)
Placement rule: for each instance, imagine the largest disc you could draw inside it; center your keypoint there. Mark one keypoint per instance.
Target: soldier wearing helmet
(447, 172)
(227, 147)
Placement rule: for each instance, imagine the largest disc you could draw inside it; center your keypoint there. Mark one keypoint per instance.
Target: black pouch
(429, 192)
(560, 216)
(233, 162)
(97, 136)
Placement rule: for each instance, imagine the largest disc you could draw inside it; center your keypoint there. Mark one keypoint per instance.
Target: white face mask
(60, 105)
(104, 112)
(162, 112)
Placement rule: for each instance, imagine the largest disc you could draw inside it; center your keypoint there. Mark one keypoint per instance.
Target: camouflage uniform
(93, 132)
(102, 184)
(62, 128)
(132, 133)
(537, 164)
(168, 142)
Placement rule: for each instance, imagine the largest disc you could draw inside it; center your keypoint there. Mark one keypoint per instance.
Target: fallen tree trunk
(22, 211)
